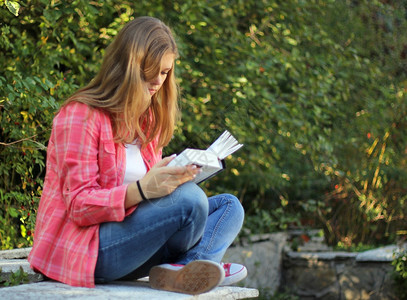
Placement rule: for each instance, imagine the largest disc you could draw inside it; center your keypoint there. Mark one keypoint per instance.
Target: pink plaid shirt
(82, 188)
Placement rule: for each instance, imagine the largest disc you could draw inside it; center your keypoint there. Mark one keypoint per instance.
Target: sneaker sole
(197, 277)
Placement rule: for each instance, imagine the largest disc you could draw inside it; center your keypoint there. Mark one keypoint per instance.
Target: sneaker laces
(226, 266)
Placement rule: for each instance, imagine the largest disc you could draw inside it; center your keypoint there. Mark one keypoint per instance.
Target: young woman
(111, 208)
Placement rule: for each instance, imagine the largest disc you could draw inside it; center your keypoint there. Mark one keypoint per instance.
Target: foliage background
(316, 90)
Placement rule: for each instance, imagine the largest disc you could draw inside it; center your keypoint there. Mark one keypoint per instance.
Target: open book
(210, 160)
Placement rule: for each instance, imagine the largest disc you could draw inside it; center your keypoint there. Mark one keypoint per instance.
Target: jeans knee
(236, 208)
(193, 198)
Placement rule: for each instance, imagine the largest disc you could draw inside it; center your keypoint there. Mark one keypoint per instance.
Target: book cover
(211, 160)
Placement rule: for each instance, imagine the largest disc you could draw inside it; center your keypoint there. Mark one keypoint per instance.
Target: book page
(225, 145)
(210, 160)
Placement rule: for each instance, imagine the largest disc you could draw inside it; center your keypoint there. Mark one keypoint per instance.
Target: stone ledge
(12, 260)
(15, 253)
(340, 275)
(321, 255)
(116, 290)
(382, 254)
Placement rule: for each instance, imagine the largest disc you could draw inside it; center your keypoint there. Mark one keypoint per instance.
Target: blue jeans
(178, 228)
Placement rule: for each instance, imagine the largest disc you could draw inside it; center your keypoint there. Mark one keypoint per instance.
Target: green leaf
(13, 212)
(13, 7)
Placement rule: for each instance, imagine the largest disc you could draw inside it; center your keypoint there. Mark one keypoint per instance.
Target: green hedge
(314, 89)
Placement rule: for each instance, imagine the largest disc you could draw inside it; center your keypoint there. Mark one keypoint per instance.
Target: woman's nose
(157, 80)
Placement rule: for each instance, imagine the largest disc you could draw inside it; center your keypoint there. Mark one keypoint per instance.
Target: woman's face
(155, 84)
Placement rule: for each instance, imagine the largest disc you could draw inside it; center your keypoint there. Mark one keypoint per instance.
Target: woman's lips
(152, 91)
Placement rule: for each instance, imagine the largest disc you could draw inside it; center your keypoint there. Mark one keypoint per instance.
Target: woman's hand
(160, 181)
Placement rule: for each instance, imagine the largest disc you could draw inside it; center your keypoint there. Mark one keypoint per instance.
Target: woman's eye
(164, 73)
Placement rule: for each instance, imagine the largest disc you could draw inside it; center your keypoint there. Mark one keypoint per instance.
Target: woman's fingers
(162, 180)
(165, 161)
(178, 176)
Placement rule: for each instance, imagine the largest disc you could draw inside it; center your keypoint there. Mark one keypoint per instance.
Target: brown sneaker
(199, 276)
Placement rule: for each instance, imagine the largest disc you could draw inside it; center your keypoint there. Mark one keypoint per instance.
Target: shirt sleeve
(77, 131)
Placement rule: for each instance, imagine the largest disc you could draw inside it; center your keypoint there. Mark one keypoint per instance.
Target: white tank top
(135, 166)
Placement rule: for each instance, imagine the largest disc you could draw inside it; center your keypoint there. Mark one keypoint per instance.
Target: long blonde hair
(119, 88)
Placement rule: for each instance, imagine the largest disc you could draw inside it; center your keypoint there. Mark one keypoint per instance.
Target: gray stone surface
(370, 281)
(321, 255)
(118, 290)
(310, 278)
(337, 275)
(12, 265)
(379, 254)
(263, 260)
(15, 253)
